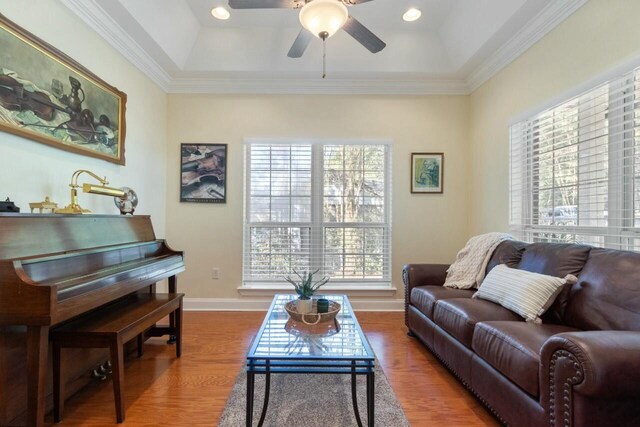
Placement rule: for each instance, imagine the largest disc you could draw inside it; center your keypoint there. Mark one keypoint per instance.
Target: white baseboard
(244, 304)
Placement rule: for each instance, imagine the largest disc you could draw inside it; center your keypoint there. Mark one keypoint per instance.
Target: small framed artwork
(203, 173)
(427, 173)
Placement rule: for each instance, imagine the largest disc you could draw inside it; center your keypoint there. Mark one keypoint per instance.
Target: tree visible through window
(318, 206)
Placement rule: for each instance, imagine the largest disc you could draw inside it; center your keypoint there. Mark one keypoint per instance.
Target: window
(575, 169)
(317, 206)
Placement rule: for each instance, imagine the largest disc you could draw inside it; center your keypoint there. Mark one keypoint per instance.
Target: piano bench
(112, 327)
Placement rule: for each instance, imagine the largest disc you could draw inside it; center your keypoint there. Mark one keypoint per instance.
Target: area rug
(305, 400)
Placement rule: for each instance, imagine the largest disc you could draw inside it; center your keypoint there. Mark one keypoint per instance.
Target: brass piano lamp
(74, 207)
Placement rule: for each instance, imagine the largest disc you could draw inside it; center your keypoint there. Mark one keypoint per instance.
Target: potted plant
(305, 288)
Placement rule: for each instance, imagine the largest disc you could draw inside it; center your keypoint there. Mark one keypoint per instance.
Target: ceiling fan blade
(263, 4)
(300, 44)
(354, 2)
(363, 35)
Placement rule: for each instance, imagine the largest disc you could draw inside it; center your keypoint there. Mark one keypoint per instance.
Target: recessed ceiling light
(220, 13)
(412, 14)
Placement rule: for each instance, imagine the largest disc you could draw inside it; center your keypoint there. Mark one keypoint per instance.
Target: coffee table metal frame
(305, 364)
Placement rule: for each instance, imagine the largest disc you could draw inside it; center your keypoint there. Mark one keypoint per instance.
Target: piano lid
(28, 235)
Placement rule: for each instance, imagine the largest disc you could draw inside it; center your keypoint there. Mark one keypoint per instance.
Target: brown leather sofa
(580, 367)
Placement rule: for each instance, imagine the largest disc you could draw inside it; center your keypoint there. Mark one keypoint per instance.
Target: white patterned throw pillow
(525, 293)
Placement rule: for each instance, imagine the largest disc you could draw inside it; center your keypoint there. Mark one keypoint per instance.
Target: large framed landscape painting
(427, 173)
(48, 97)
(203, 173)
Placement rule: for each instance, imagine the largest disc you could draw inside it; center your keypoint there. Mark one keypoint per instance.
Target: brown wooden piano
(54, 268)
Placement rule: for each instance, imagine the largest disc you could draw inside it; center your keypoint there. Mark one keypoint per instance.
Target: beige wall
(30, 170)
(425, 227)
(596, 38)
(472, 131)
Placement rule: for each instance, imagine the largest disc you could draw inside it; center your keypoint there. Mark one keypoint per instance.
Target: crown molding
(551, 16)
(545, 21)
(319, 86)
(96, 18)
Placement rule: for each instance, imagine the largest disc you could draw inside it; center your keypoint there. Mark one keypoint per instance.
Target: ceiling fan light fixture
(412, 14)
(220, 13)
(323, 16)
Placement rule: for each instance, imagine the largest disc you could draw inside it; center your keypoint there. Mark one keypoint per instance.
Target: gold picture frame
(48, 97)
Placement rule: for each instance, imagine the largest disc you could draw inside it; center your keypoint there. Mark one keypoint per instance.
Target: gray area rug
(304, 400)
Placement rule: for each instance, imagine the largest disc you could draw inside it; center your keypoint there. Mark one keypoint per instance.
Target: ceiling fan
(320, 18)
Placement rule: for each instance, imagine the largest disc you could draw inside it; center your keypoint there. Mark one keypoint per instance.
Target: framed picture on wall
(203, 173)
(48, 97)
(427, 173)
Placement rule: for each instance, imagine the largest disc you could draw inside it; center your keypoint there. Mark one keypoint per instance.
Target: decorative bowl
(314, 317)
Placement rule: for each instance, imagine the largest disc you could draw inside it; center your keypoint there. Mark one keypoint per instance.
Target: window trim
(364, 290)
(363, 287)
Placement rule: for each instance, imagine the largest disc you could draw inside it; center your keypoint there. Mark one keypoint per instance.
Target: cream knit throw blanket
(467, 271)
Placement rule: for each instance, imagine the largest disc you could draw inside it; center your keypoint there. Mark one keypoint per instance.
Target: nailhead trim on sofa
(569, 382)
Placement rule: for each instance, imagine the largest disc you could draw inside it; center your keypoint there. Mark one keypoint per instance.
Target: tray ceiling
(453, 48)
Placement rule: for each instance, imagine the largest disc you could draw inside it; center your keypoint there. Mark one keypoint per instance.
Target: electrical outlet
(215, 273)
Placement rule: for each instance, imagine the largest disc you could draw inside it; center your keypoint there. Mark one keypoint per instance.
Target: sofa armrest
(594, 364)
(421, 275)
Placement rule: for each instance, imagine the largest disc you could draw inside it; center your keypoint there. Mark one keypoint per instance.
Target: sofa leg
(411, 334)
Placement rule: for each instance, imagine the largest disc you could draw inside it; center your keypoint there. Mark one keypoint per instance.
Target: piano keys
(54, 268)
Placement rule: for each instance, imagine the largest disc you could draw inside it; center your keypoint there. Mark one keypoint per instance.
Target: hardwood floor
(429, 394)
(192, 391)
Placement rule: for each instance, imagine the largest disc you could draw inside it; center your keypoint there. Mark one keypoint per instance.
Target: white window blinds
(575, 169)
(317, 206)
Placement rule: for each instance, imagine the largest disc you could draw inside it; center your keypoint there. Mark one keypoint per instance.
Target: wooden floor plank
(161, 390)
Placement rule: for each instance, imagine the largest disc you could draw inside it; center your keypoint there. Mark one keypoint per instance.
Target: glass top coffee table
(284, 346)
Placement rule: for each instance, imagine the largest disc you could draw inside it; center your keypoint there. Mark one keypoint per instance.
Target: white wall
(426, 228)
(30, 170)
(599, 36)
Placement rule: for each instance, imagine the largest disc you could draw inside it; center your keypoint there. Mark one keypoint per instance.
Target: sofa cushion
(424, 298)
(509, 253)
(523, 292)
(513, 348)
(459, 316)
(607, 295)
(555, 259)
